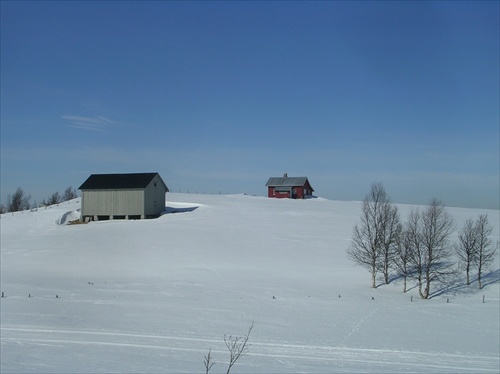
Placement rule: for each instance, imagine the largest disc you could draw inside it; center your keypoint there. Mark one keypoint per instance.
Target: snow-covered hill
(156, 295)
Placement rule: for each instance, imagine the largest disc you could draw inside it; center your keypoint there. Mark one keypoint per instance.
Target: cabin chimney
(285, 175)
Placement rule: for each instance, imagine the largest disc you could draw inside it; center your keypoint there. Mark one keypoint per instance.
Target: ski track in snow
(286, 356)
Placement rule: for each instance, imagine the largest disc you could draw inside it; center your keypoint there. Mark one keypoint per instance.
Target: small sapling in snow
(208, 361)
(237, 346)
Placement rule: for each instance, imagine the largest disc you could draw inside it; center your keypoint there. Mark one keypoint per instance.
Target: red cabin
(289, 187)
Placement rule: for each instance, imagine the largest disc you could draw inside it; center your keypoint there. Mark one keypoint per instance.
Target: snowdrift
(69, 217)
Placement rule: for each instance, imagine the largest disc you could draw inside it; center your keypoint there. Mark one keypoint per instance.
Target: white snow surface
(153, 296)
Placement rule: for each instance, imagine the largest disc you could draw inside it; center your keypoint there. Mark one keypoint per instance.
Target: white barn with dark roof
(122, 196)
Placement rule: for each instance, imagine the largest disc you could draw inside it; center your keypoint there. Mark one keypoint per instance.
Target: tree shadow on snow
(456, 285)
(398, 277)
(490, 278)
(452, 282)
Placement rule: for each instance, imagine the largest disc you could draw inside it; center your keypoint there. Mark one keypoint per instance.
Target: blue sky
(220, 96)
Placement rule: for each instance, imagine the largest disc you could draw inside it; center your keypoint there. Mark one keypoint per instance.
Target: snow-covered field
(155, 295)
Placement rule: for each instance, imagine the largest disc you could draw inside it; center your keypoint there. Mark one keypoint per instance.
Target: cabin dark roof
(118, 181)
(286, 182)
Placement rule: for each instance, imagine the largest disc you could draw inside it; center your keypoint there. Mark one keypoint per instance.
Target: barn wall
(270, 191)
(308, 187)
(113, 203)
(154, 201)
(277, 194)
(299, 192)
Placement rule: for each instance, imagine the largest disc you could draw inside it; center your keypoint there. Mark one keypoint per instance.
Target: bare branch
(208, 361)
(237, 346)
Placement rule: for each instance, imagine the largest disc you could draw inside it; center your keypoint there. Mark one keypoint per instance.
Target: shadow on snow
(452, 283)
(169, 209)
(458, 285)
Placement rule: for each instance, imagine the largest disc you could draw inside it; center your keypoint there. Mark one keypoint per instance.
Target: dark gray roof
(286, 181)
(118, 181)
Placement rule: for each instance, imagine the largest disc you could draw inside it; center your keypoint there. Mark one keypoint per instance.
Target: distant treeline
(19, 200)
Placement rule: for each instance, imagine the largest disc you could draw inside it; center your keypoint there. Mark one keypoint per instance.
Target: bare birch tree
(486, 250)
(466, 247)
(374, 237)
(390, 233)
(416, 251)
(402, 258)
(436, 227)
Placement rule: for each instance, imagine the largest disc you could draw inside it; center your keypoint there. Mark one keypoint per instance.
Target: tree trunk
(404, 284)
(428, 276)
(420, 288)
(374, 283)
(423, 279)
(479, 278)
(425, 293)
(427, 288)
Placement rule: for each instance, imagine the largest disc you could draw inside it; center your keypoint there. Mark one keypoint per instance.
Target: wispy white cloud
(98, 123)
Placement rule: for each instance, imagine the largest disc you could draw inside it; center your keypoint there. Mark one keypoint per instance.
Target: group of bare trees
(19, 200)
(475, 249)
(56, 198)
(418, 249)
(16, 202)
